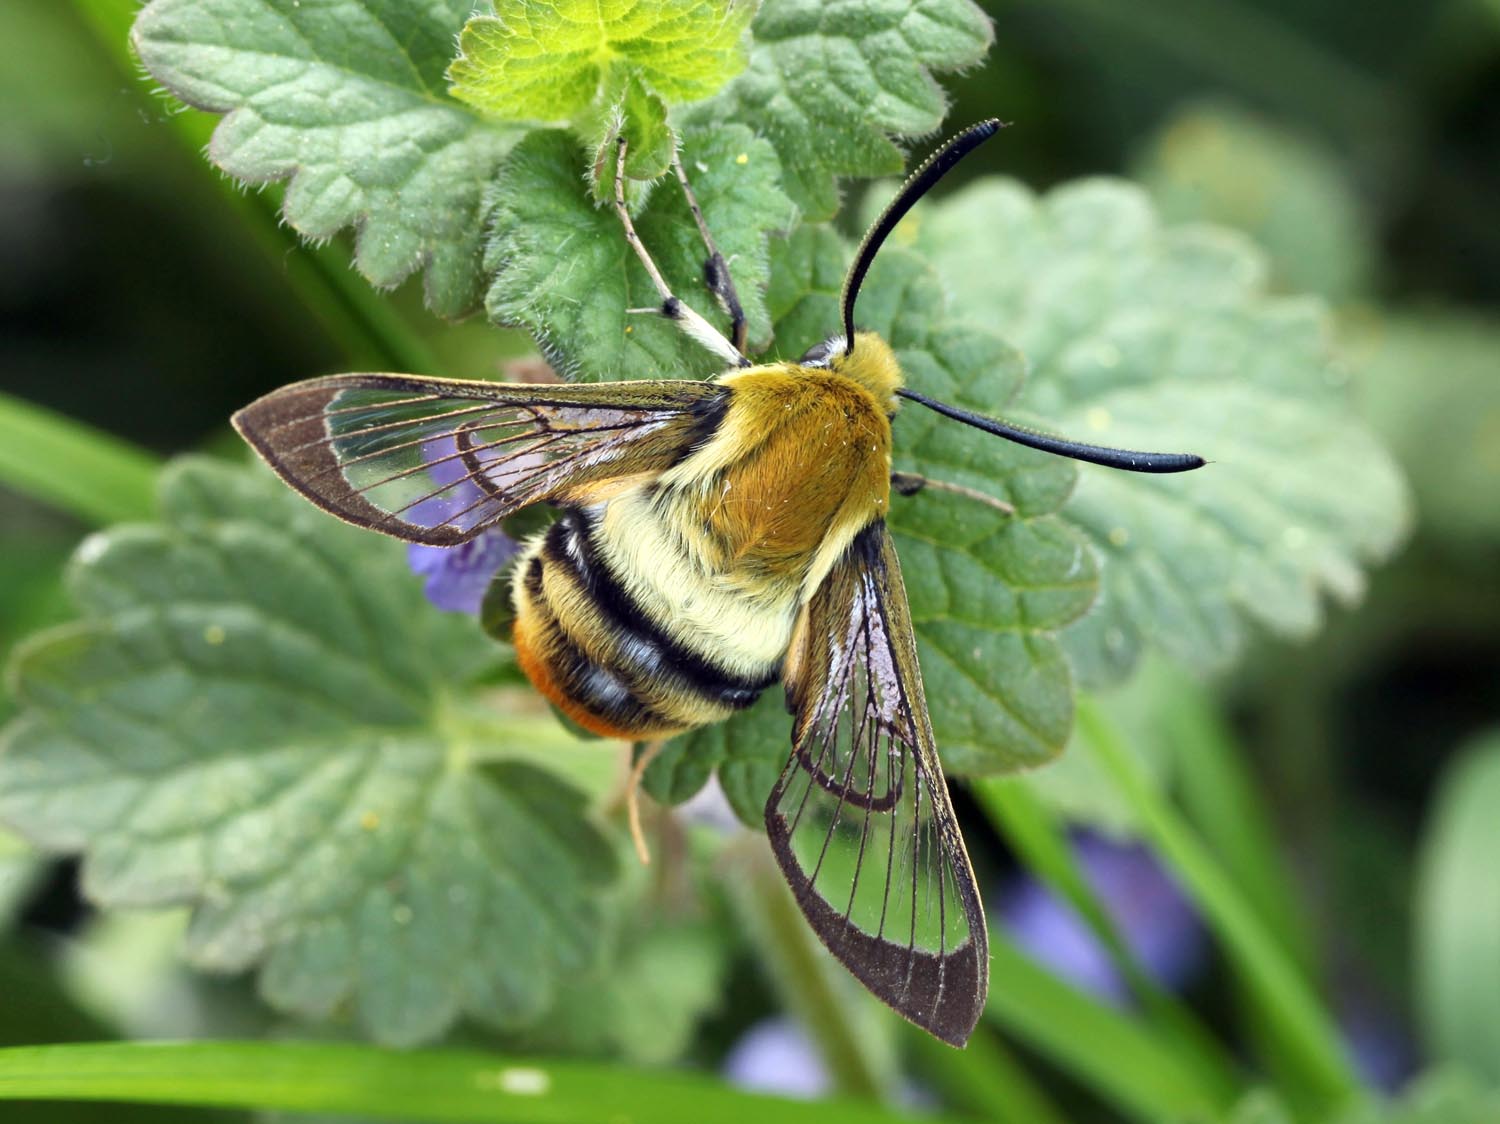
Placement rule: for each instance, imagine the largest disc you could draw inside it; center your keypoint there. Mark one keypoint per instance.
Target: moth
(712, 539)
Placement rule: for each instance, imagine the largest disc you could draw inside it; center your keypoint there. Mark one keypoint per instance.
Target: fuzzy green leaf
(650, 143)
(546, 60)
(748, 751)
(253, 718)
(830, 85)
(1164, 339)
(988, 591)
(345, 99)
(564, 271)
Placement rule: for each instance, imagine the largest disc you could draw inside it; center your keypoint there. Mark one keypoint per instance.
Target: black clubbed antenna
(1094, 454)
(918, 184)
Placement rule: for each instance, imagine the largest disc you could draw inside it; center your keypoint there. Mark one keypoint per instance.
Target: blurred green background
(1358, 141)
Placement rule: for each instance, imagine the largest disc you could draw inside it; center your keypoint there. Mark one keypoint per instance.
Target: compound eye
(821, 354)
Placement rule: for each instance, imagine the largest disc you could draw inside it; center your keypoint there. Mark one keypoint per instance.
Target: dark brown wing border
(437, 461)
(864, 761)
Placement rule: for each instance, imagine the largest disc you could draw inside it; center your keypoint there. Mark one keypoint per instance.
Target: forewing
(860, 819)
(438, 460)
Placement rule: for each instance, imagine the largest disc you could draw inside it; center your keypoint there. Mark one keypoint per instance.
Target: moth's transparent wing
(860, 819)
(438, 460)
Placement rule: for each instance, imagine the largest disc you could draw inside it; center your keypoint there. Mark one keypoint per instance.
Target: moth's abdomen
(605, 660)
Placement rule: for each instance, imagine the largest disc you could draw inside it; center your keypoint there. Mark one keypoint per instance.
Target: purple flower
(1381, 1047)
(1153, 917)
(775, 1056)
(457, 576)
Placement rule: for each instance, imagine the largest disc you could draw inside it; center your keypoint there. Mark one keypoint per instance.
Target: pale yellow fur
(730, 543)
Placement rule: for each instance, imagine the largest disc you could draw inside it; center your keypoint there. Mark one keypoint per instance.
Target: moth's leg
(645, 754)
(909, 484)
(715, 269)
(693, 325)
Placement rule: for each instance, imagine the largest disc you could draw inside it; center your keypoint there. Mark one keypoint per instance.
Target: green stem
(1039, 840)
(1219, 795)
(1103, 1049)
(1311, 1041)
(73, 466)
(803, 973)
(359, 321)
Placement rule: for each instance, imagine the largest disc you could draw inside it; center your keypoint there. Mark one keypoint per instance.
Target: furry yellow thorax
(873, 365)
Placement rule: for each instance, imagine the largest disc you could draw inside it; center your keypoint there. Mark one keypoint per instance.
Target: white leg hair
(694, 326)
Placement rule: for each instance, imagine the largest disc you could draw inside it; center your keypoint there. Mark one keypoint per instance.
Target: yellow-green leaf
(549, 61)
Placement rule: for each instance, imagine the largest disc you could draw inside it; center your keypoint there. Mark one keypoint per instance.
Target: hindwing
(860, 819)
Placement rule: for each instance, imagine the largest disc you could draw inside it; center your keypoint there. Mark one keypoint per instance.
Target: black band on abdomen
(599, 690)
(569, 545)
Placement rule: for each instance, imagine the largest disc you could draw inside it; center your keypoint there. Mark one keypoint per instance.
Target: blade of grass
(364, 325)
(431, 1085)
(1222, 801)
(1039, 839)
(806, 978)
(1290, 1009)
(1103, 1049)
(72, 466)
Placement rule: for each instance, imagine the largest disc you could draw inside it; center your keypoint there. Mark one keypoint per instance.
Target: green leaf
(1458, 915)
(70, 465)
(546, 60)
(987, 1080)
(564, 271)
(347, 100)
(1038, 837)
(450, 1086)
(1154, 338)
(988, 591)
(829, 85)
(253, 718)
(1077, 787)
(1214, 163)
(1211, 774)
(641, 114)
(748, 751)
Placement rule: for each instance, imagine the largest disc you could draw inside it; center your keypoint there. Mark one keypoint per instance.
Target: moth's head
(920, 182)
(870, 362)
